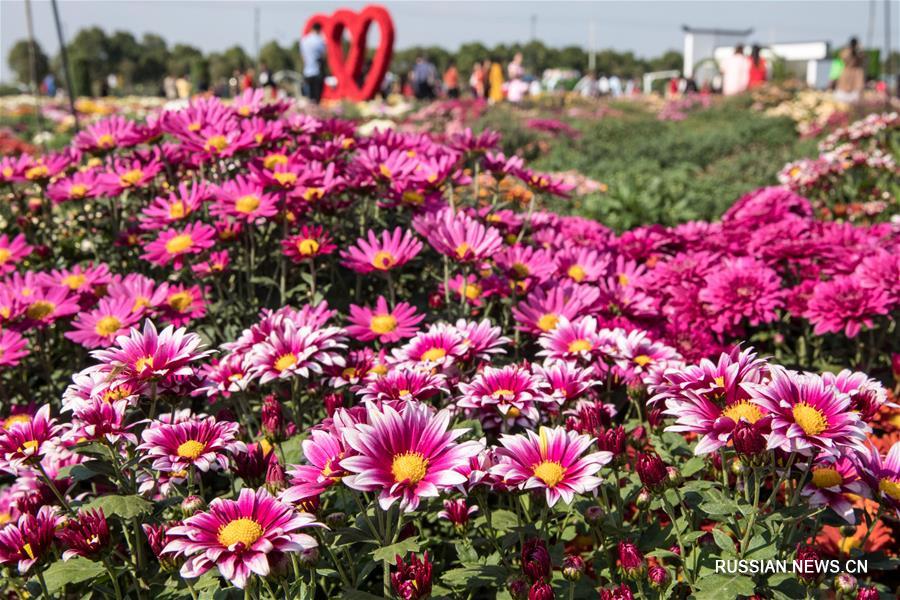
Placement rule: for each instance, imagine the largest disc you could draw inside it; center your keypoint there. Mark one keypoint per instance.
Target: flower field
(250, 352)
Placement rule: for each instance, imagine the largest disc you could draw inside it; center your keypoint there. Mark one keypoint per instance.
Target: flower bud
(631, 560)
(659, 577)
(848, 530)
(535, 559)
(272, 418)
(412, 578)
(435, 300)
(540, 591)
(572, 567)
(652, 471)
(749, 441)
(308, 557)
(867, 593)
(623, 592)
(807, 573)
(643, 499)
(594, 514)
(332, 403)
(737, 467)
(517, 586)
(673, 475)
(192, 505)
(845, 585)
(336, 519)
(275, 478)
(457, 512)
(612, 440)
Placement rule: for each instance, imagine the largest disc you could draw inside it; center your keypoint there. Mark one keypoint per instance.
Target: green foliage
(19, 61)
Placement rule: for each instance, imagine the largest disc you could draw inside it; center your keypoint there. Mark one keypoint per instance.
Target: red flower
(412, 580)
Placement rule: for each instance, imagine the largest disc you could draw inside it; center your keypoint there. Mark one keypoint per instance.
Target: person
(735, 72)
(476, 81)
(852, 79)
(603, 85)
(515, 70)
(424, 75)
(615, 86)
(312, 50)
(247, 79)
(183, 87)
(169, 87)
(495, 79)
(49, 85)
(451, 80)
(758, 68)
(517, 90)
(587, 85)
(266, 80)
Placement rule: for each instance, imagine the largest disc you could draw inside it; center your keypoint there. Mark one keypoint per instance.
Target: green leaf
(723, 541)
(715, 587)
(358, 595)
(292, 449)
(403, 547)
(121, 506)
(74, 570)
(713, 507)
(473, 577)
(503, 520)
(694, 465)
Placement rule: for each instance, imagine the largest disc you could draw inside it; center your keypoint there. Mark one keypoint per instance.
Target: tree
(19, 61)
(276, 57)
(153, 61)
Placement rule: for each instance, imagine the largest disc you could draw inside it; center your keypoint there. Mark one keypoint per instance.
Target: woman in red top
(758, 73)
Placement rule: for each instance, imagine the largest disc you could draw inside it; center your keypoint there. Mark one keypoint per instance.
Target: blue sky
(648, 28)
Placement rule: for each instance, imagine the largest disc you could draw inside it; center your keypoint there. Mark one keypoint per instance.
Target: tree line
(140, 64)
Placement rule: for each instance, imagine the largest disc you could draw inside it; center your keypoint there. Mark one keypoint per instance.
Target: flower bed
(247, 348)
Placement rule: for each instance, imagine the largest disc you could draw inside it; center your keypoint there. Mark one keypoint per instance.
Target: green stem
(44, 590)
(784, 474)
(670, 511)
(112, 577)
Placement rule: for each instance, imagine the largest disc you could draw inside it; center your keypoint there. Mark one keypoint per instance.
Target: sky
(648, 28)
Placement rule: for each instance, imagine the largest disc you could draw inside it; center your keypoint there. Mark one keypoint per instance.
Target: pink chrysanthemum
(742, 289)
(830, 482)
(311, 242)
(542, 310)
(845, 304)
(638, 355)
(176, 207)
(392, 250)
(403, 384)
(867, 395)
(383, 323)
(581, 341)
(173, 245)
(406, 455)
(458, 236)
(293, 350)
(882, 474)
(12, 348)
(323, 451)
(808, 415)
(101, 326)
(236, 537)
(244, 199)
(439, 347)
(553, 461)
(12, 251)
(26, 440)
(100, 420)
(176, 447)
(29, 540)
(561, 382)
(510, 391)
(47, 304)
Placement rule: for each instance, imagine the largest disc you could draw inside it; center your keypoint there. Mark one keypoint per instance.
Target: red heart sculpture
(348, 68)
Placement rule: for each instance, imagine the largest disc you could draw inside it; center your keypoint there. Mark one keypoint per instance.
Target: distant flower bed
(245, 348)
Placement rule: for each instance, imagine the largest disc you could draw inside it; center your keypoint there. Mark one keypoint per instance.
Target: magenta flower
(86, 535)
(176, 447)
(882, 474)
(163, 212)
(128, 175)
(244, 199)
(26, 440)
(499, 394)
(845, 304)
(78, 186)
(542, 310)
(403, 384)
(808, 415)
(12, 348)
(47, 304)
(100, 420)
(457, 512)
(323, 451)
(291, 350)
(867, 395)
(458, 236)
(742, 289)
(29, 540)
(561, 382)
(831, 480)
(406, 455)
(237, 537)
(172, 245)
(384, 324)
(392, 250)
(439, 347)
(107, 134)
(12, 251)
(553, 460)
(311, 242)
(582, 342)
(101, 326)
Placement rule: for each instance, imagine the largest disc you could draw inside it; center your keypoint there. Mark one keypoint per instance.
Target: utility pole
(64, 55)
(32, 64)
(533, 27)
(888, 47)
(592, 45)
(256, 32)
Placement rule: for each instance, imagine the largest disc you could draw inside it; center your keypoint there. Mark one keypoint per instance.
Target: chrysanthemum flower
(742, 288)
(83, 280)
(831, 480)
(542, 310)
(99, 420)
(12, 348)
(12, 251)
(845, 304)
(553, 461)
(244, 199)
(292, 350)
(403, 384)
(128, 175)
(29, 540)
(86, 535)
(406, 455)
(172, 245)
(26, 440)
(176, 207)
(206, 443)
(808, 415)
(101, 326)
(882, 474)
(458, 236)
(183, 304)
(525, 262)
(638, 355)
(867, 395)
(561, 382)
(144, 293)
(439, 347)
(237, 536)
(312, 241)
(581, 341)
(383, 323)
(109, 133)
(47, 304)
(323, 452)
(146, 355)
(392, 250)
(581, 264)
(76, 187)
(510, 391)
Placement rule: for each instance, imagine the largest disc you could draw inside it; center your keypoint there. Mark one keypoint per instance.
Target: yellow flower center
(180, 301)
(244, 531)
(382, 324)
(29, 446)
(580, 345)
(285, 361)
(472, 291)
(139, 303)
(383, 260)
(642, 360)
(272, 160)
(5, 255)
(576, 273)
(433, 354)
(40, 310)
(216, 143)
(176, 210)
(890, 487)
(77, 190)
(246, 204)
(462, 249)
(623, 279)
(244, 111)
(743, 410)
(38, 172)
(142, 363)
(810, 419)
(503, 393)
(307, 247)
(12, 420)
(349, 373)
(285, 178)
(521, 270)
(107, 326)
(75, 281)
(550, 472)
(413, 197)
(106, 141)
(27, 550)
(513, 412)
(117, 393)
(409, 466)
(179, 243)
(191, 449)
(385, 171)
(826, 477)
(313, 193)
(130, 178)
